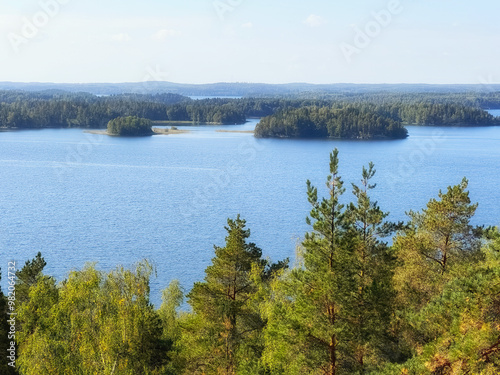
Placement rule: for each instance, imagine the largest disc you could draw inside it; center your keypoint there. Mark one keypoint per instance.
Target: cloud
(314, 21)
(247, 25)
(163, 34)
(122, 37)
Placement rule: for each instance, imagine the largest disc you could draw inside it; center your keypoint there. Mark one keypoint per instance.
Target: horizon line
(248, 83)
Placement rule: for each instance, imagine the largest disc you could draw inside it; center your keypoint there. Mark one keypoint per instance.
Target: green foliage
(350, 121)
(172, 299)
(461, 325)
(19, 109)
(92, 323)
(373, 266)
(223, 335)
(28, 276)
(436, 241)
(130, 126)
(430, 304)
(330, 314)
(434, 253)
(380, 113)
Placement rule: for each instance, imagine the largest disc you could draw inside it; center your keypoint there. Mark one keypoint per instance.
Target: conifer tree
(28, 276)
(430, 252)
(436, 240)
(330, 315)
(373, 266)
(460, 326)
(224, 332)
(308, 330)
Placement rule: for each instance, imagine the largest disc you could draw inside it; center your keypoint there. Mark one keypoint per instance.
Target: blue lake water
(495, 112)
(79, 197)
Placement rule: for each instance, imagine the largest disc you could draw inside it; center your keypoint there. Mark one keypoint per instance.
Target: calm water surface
(79, 198)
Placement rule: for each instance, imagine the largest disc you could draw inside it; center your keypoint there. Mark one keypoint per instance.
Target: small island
(130, 126)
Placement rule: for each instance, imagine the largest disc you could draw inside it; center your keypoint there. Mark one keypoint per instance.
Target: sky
(261, 41)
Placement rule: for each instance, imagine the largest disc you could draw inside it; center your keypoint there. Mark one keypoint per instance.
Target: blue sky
(273, 41)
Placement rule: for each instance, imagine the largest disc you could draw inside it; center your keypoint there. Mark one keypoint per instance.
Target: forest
(363, 296)
(349, 122)
(130, 126)
(383, 113)
(362, 120)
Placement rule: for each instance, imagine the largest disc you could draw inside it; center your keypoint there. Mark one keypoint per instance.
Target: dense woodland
(351, 303)
(64, 110)
(130, 126)
(351, 121)
(369, 115)
(365, 120)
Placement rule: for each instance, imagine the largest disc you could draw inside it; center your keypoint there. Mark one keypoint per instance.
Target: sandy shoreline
(156, 131)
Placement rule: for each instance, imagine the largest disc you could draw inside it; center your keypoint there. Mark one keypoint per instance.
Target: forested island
(338, 115)
(349, 122)
(364, 296)
(130, 126)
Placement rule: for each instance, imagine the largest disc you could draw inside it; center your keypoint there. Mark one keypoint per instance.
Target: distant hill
(243, 89)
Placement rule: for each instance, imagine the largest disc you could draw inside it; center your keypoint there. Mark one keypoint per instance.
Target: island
(349, 115)
(349, 122)
(130, 126)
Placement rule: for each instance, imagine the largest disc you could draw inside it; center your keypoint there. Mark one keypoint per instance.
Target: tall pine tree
(373, 266)
(330, 315)
(308, 329)
(223, 336)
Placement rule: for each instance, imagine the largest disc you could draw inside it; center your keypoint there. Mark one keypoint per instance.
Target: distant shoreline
(156, 131)
(189, 123)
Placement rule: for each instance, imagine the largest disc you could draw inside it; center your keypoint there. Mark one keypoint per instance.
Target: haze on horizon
(206, 41)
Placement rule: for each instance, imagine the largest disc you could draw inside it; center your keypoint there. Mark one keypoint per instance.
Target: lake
(79, 197)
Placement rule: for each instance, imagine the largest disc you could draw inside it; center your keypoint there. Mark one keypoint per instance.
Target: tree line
(351, 121)
(429, 303)
(65, 110)
(233, 89)
(29, 110)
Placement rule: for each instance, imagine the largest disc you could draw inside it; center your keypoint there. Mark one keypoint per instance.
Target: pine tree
(460, 326)
(373, 266)
(436, 240)
(28, 277)
(430, 252)
(331, 314)
(224, 332)
(308, 329)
